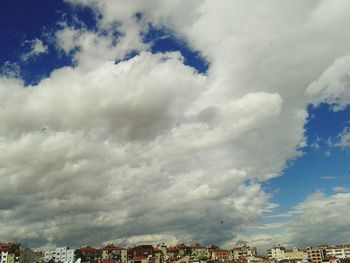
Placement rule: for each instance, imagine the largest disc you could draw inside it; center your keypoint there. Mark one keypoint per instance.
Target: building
(184, 250)
(16, 253)
(294, 254)
(158, 255)
(111, 253)
(171, 253)
(316, 255)
(140, 253)
(39, 256)
(276, 253)
(243, 252)
(60, 254)
(88, 253)
(4, 256)
(199, 252)
(338, 251)
(217, 253)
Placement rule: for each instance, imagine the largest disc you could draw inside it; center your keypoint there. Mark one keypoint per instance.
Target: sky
(213, 122)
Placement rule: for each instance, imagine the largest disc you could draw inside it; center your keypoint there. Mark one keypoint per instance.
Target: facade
(171, 253)
(243, 252)
(142, 251)
(288, 255)
(184, 250)
(4, 255)
(60, 254)
(88, 253)
(315, 255)
(294, 254)
(158, 256)
(16, 253)
(340, 252)
(219, 254)
(111, 253)
(39, 256)
(199, 252)
(276, 253)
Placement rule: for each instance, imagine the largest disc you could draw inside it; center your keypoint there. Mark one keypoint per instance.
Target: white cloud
(333, 87)
(341, 189)
(148, 148)
(10, 70)
(344, 138)
(318, 220)
(37, 48)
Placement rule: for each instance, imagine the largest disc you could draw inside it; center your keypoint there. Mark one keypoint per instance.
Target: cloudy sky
(199, 121)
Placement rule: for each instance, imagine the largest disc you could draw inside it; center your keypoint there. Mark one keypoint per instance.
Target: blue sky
(320, 168)
(237, 121)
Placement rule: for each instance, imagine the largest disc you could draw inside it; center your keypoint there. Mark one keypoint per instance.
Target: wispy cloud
(37, 47)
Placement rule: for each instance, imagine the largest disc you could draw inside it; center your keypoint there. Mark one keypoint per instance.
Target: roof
(183, 246)
(217, 250)
(323, 245)
(88, 249)
(112, 248)
(198, 247)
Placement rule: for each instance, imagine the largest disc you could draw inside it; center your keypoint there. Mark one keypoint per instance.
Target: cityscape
(181, 253)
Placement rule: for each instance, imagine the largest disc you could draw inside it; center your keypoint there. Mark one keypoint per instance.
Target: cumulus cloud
(333, 86)
(147, 148)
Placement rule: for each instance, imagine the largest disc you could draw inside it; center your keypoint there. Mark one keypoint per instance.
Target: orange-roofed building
(90, 253)
(114, 253)
(219, 254)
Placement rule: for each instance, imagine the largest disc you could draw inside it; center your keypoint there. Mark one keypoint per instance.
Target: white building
(276, 253)
(4, 256)
(60, 254)
(338, 251)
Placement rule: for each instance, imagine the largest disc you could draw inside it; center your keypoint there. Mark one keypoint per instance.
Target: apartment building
(4, 256)
(142, 251)
(340, 251)
(16, 253)
(295, 254)
(243, 252)
(88, 253)
(60, 254)
(111, 253)
(276, 253)
(316, 255)
(199, 252)
(217, 253)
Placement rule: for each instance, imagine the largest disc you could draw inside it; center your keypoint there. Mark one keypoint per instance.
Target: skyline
(200, 123)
